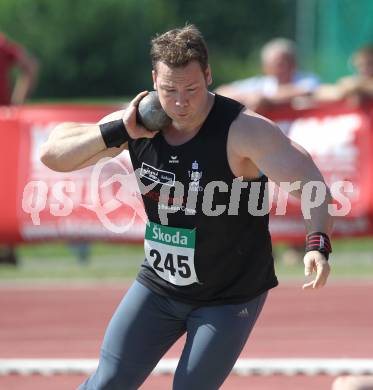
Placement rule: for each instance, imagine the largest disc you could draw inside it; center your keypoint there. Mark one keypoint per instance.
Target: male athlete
(208, 265)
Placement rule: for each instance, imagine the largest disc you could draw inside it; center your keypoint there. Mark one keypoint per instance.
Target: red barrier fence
(39, 204)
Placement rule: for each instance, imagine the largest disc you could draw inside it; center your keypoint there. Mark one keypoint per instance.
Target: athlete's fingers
(135, 130)
(308, 263)
(316, 261)
(136, 100)
(147, 133)
(131, 109)
(308, 268)
(129, 116)
(307, 286)
(322, 271)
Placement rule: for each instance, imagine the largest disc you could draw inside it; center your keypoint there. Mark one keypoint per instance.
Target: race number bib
(170, 251)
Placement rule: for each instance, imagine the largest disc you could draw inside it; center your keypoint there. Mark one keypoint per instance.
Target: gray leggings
(144, 327)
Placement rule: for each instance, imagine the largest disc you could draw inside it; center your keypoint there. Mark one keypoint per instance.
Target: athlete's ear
(208, 75)
(154, 76)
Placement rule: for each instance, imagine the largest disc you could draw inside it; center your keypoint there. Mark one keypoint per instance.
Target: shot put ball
(151, 114)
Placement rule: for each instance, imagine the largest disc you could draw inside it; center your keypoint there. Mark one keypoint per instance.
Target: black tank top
(211, 250)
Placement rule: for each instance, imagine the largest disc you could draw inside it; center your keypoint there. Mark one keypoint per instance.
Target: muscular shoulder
(256, 141)
(251, 133)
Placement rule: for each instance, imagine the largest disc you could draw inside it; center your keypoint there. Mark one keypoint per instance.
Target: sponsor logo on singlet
(195, 175)
(157, 175)
(173, 160)
(175, 238)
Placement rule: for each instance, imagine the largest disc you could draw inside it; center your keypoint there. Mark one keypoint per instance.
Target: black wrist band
(320, 242)
(114, 133)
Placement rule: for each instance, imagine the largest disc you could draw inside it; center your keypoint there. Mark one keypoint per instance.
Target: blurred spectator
(13, 56)
(356, 88)
(353, 382)
(280, 83)
(81, 250)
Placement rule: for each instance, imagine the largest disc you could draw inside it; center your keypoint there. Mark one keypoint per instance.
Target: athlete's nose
(181, 100)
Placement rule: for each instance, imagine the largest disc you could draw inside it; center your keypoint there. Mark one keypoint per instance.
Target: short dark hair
(178, 47)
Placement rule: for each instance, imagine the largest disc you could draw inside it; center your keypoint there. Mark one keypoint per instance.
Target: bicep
(111, 152)
(278, 157)
(286, 161)
(72, 129)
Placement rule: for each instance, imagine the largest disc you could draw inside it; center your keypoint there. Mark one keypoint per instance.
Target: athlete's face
(182, 91)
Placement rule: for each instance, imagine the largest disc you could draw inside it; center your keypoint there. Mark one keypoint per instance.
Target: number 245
(182, 265)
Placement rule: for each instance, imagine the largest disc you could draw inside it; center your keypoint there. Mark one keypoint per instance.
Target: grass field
(352, 259)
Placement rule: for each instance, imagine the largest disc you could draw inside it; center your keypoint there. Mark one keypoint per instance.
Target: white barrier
(244, 367)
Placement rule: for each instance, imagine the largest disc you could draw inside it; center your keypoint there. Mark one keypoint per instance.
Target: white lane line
(279, 366)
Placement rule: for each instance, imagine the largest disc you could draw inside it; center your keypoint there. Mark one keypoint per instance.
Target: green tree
(101, 48)
(87, 48)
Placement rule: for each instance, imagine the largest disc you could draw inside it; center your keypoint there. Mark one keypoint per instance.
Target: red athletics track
(68, 322)
(164, 382)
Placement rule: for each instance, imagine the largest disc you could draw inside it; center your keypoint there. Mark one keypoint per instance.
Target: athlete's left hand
(315, 261)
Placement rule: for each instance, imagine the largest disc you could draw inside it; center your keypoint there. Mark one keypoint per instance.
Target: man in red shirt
(12, 56)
